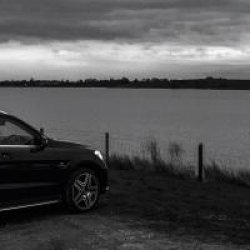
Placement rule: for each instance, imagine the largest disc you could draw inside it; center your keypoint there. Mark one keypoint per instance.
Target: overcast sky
(73, 39)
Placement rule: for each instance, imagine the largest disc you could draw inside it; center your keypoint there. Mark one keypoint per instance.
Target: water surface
(218, 118)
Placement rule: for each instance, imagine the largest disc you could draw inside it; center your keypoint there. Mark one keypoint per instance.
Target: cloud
(85, 59)
(204, 22)
(112, 38)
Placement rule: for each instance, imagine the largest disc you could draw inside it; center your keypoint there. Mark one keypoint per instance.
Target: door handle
(6, 156)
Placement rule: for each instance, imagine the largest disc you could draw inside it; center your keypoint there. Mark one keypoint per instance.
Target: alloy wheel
(85, 191)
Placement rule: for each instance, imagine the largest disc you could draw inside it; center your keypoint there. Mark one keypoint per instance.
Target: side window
(12, 133)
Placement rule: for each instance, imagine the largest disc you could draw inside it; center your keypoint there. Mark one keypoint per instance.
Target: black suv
(37, 170)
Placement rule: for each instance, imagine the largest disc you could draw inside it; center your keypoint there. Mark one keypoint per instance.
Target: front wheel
(82, 190)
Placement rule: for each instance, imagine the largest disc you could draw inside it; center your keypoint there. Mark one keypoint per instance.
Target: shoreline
(125, 83)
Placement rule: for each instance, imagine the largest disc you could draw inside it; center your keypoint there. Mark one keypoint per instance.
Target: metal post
(107, 147)
(200, 162)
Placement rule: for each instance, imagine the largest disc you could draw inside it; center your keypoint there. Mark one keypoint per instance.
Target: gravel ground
(91, 231)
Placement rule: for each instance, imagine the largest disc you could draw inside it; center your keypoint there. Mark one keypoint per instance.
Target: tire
(82, 191)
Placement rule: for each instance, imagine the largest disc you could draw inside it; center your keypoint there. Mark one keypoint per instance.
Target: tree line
(164, 83)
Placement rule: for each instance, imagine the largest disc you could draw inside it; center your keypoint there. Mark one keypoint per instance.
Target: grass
(136, 163)
(212, 173)
(169, 194)
(210, 211)
(174, 166)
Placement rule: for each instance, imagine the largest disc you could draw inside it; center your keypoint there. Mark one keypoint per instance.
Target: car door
(27, 172)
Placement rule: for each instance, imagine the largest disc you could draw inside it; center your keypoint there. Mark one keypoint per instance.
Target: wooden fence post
(107, 147)
(200, 162)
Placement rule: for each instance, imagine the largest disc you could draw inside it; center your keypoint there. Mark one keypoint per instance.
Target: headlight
(99, 155)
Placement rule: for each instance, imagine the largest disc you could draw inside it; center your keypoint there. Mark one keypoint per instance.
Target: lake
(218, 118)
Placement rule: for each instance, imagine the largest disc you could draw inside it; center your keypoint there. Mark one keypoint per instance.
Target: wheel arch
(99, 170)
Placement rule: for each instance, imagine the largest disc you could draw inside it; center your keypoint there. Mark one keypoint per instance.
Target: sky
(79, 39)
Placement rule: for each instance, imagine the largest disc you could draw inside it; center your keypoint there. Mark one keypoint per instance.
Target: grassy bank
(175, 166)
(212, 173)
(169, 194)
(179, 206)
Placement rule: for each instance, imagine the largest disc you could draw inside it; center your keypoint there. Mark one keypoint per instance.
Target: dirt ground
(55, 230)
(142, 211)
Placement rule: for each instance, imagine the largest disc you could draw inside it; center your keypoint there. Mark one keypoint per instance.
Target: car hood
(67, 144)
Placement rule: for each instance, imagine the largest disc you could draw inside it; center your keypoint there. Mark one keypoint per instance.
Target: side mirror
(42, 131)
(41, 141)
